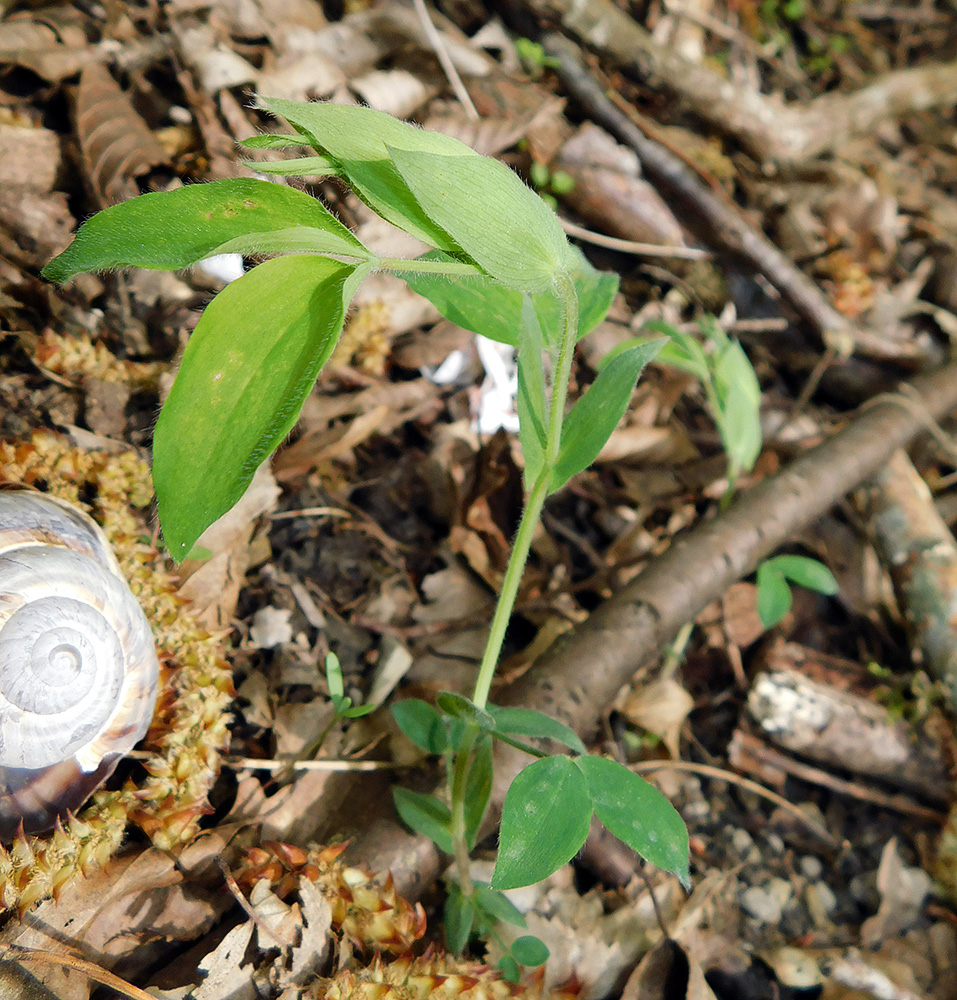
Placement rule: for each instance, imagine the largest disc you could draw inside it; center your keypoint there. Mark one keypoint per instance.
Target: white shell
(78, 668)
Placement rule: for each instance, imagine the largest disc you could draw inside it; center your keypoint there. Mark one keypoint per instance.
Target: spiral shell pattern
(78, 668)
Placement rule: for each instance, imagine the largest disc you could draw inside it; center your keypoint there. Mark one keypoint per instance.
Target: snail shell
(78, 668)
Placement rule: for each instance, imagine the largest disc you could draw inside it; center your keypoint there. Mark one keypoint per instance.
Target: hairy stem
(536, 498)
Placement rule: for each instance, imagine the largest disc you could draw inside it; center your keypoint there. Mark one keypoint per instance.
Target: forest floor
(788, 168)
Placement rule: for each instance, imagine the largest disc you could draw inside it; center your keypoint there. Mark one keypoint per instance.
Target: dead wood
(749, 754)
(845, 730)
(582, 672)
(772, 131)
(919, 551)
(718, 222)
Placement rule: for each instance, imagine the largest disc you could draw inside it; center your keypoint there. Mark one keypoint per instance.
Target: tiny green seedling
(775, 576)
(500, 265)
(341, 702)
(731, 389)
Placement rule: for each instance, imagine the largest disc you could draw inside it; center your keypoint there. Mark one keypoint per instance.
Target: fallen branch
(773, 132)
(581, 673)
(718, 222)
(919, 551)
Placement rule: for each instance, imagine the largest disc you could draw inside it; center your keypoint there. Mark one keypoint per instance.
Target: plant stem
(460, 773)
(536, 498)
(450, 268)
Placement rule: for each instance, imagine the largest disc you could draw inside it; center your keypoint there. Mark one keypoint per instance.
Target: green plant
(550, 184)
(774, 577)
(730, 384)
(500, 265)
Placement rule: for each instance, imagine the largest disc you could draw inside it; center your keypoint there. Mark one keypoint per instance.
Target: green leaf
(246, 370)
(509, 968)
(459, 919)
(496, 906)
(502, 225)
(478, 787)
(638, 814)
(739, 397)
(596, 414)
(426, 815)
(774, 595)
(334, 678)
(356, 139)
(272, 140)
(545, 820)
(529, 950)
(174, 229)
(488, 307)
(526, 722)
(422, 724)
(531, 402)
(301, 166)
(459, 707)
(805, 572)
(357, 711)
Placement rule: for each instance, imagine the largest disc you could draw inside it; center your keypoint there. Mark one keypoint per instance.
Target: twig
(764, 754)
(717, 221)
(919, 551)
(246, 906)
(445, 60)
(255, 764)
(709, 771)
(89, 969)
(633, 246)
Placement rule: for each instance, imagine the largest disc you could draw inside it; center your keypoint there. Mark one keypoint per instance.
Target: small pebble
(811, 867)
(820, 902)
(741, 842)
(766, 902)
(775, 843)
(696, 810)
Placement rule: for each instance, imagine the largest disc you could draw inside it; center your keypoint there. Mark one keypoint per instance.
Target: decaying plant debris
(791, 171)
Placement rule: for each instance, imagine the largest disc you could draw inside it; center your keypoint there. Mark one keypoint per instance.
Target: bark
(919, 550)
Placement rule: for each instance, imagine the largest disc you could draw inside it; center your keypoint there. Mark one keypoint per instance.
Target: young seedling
(774, 577)
(731, 389)
(499, 265)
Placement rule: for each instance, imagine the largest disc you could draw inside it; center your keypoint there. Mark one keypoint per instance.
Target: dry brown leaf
(903, 892)
(52, 42)
(669, 962)
(661, 707)
(395, 91)
(212, 587)
(117, 146)
(29, 157)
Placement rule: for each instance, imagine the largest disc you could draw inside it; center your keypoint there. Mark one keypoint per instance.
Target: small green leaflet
(545, 820)
(422, 724)
(426, 815)
(638, 814)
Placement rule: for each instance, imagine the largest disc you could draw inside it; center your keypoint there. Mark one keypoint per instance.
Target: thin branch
(445, 60)
(717, 221)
